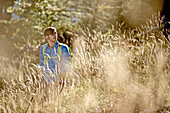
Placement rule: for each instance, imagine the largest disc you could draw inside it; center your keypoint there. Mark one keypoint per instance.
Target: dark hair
(49, 31)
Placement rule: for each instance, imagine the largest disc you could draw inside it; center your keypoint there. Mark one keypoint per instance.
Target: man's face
(51, 37)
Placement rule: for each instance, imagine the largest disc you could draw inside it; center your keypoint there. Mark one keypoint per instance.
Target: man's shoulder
(43, 47)
(63, 45)
(45, 44)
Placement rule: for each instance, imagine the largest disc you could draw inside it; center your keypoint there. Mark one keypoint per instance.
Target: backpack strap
(60, 51)
(44, 47)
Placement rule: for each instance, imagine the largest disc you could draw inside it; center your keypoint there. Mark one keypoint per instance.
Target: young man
(54, 58)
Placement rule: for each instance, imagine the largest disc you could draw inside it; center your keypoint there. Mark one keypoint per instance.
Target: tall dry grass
(123, 71)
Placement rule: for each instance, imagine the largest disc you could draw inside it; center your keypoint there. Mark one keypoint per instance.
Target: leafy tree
(25, 33)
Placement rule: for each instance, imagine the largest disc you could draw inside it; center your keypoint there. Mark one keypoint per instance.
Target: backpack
(59, 52)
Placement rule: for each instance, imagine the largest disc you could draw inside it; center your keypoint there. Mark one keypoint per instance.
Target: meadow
(121, 71)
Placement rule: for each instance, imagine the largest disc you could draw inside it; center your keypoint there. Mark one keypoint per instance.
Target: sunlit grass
(119, 72)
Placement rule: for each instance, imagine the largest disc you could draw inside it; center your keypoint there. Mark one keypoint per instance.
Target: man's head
(50, 34)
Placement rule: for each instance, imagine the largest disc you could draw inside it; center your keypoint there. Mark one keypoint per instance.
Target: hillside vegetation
(119, 71)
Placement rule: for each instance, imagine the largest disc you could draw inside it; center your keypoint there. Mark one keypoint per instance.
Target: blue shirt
(55, 64)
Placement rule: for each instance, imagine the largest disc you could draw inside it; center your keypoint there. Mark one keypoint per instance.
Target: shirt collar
(56, 43)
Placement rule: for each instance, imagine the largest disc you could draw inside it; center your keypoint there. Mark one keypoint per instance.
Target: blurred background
(22, 21)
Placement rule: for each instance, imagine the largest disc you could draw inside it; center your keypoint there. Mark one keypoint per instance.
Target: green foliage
(25, 34)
